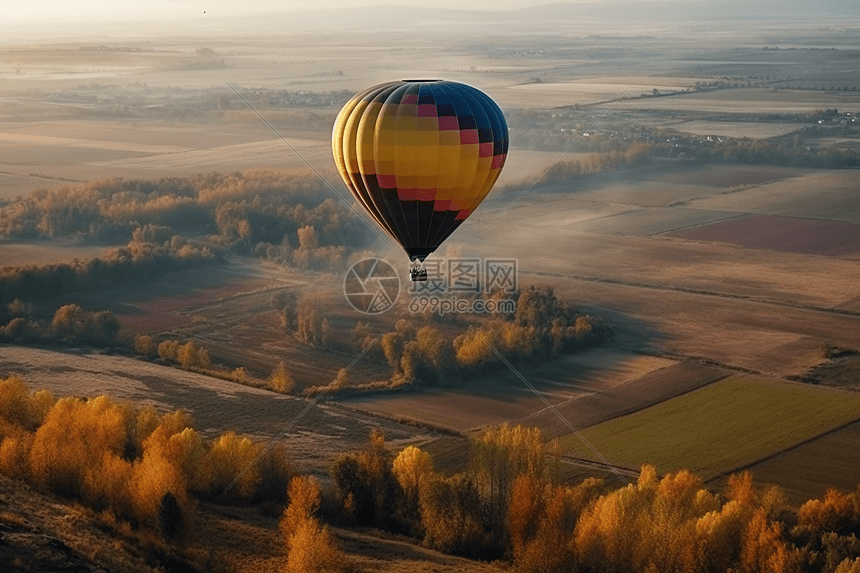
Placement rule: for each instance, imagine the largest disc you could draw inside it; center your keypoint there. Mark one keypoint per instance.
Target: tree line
(174, 223)
(129, 460)
(511, 505)
(148, 469)
(541, 327)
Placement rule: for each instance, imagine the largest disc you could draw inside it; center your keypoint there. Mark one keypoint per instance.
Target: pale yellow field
(737, 129)
(8, 140)
(270, 152)
(835, 197)
(594, 89)
(45, 253)
(746, 100)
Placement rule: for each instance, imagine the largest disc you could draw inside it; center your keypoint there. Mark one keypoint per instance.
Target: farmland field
(835, 197)
(798, 470)
(45, 252)
(833, 238)
(721, 427)
(216, 405)
(737, 129)
(501, 396)
(744, 100)
(706, 213)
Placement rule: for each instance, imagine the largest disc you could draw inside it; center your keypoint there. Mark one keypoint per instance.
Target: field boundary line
(784, 450)
(639, 407)
(700, 292)
(734, 215)
(301, 414)
(519, 375)
(586, 463)
(414, 422)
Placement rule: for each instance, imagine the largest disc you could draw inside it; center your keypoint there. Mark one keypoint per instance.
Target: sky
(31, 11)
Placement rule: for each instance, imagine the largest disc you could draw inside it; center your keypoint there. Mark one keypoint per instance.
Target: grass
(721, 427)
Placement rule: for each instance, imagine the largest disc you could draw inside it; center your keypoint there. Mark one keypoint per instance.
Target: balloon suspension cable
(417, 272)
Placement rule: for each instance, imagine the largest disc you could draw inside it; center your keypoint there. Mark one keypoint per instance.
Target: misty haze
(204, 367)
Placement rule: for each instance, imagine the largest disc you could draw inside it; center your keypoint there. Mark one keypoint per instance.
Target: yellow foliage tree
(144, 345)
(764, 551)
(410, 468)
(499, 455)
(281, 380)
(73, 439)
(14, 452)
(168, 350)
(304, 501)
(833, 513)
(848, 566)
(227, 458)
(106, 485)
(153, 478)
(311, 547)
(313, 550)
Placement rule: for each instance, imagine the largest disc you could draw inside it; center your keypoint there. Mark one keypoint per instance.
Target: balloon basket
(418, 274)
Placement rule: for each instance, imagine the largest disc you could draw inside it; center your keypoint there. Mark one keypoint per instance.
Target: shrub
(280, 379)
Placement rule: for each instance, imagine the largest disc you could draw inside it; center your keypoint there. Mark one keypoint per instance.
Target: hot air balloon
(420, 156)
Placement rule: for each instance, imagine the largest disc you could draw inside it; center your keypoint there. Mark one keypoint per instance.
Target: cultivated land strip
(723, 427)
(632, 396)
(693, 291)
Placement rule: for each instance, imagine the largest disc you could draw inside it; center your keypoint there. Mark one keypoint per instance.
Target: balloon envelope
(420, 156)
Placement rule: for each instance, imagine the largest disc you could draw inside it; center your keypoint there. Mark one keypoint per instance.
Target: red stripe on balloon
(448, 123)
(426, 194)
(407, 194)
(468, 136)
(427, 110)
(387, 181)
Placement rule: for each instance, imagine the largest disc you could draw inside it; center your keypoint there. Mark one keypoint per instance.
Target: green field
(721, 427)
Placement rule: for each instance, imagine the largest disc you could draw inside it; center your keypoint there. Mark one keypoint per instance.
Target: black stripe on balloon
(361, 191)
(444, 223)
(375, 193)
(398, 215)
(418, 253)
(354, 117)
(425, 218)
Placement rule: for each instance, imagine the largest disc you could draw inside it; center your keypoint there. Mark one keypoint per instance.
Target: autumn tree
(366, 484)
(411, 468)
(304, 501)
(311, 547)
(144, 345)
(429, 358)
(451, 516)
(499, 455)
(190, 355)
(280, 380)
(763, 549)
(168, 350)
(73, 438)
